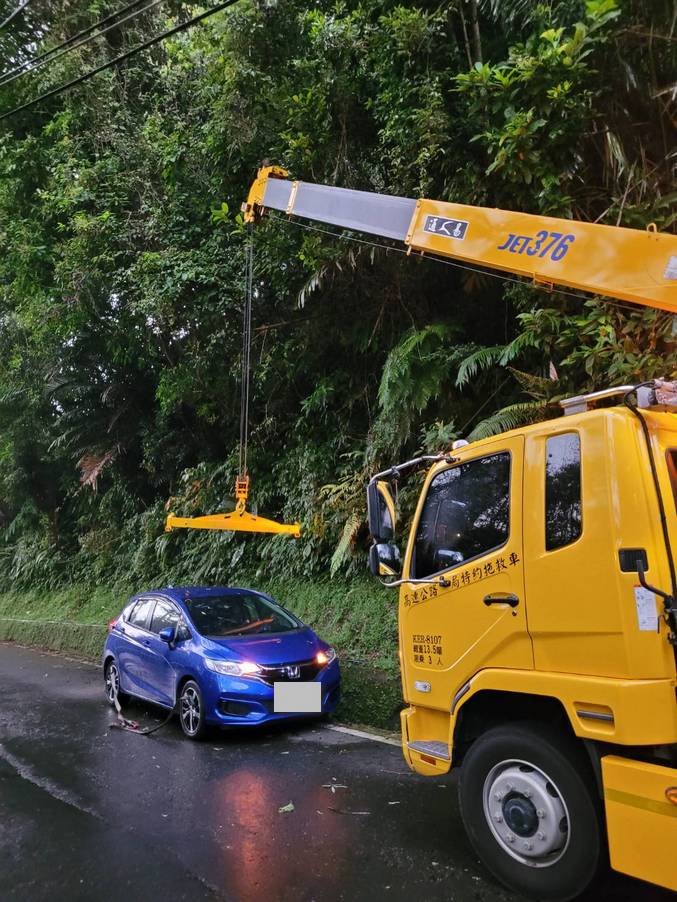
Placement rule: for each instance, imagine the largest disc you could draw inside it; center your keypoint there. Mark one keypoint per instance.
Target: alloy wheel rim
(112, 682)
(526, 813)
(190, 710)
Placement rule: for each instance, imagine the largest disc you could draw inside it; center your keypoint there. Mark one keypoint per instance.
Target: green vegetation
(355, 616)
(122, 274)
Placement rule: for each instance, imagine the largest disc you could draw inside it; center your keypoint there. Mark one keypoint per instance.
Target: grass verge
(359, 620)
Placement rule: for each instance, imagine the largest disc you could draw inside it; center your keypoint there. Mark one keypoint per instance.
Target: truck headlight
(233, 668)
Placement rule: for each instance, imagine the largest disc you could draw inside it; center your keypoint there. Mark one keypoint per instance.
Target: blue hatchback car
(225, 656)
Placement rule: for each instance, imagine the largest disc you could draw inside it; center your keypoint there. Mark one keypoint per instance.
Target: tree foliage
(122, 261)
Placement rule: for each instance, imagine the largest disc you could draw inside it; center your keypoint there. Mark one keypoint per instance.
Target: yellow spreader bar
(239, 520)
(236, 521)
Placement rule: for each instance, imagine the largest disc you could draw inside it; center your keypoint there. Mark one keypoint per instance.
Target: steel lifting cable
(246, 349)
(240, 520)
(453, 263)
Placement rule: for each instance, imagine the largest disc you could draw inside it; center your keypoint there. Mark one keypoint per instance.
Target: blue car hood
(280, 648)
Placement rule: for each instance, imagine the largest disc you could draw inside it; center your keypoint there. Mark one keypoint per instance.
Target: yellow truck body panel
(641, 820)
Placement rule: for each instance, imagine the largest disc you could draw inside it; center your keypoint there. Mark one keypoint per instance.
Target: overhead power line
(16, 12)
(32, 63)
(119, 59)
(85, 40)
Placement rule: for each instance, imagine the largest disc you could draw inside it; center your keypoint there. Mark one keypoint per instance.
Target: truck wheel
(531, 811)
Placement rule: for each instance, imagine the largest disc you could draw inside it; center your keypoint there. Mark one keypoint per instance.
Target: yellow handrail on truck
(537, 595)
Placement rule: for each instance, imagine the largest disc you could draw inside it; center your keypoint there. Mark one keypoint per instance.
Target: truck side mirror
(384, 560)
(381, 511)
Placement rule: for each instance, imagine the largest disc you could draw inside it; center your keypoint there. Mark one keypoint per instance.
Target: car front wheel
(111, 676)
(531, 811)
(191, 711)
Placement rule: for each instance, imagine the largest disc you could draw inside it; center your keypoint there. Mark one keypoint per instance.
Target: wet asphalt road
(87, 813)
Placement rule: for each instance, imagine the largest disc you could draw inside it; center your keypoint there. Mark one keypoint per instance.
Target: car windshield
(238, 613)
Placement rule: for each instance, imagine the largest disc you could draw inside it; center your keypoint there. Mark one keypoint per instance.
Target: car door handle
(502, 598)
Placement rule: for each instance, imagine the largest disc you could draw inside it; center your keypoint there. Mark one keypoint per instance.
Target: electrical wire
(479, 410)
(123, 56)
(56, 53)
(20, 8)
(455, 263)
(40, 56)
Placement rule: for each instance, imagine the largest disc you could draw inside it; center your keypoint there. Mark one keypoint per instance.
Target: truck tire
(531, 811)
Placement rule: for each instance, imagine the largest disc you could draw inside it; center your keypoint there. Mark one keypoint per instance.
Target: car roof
(182, 593)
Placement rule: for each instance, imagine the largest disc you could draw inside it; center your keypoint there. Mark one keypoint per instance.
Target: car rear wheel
(111, 676)
(531, 812)
(192, 711)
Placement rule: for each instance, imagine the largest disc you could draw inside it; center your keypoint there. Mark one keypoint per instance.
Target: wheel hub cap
(526, 813)
(112, 682)
(519, 814)
(190, 710)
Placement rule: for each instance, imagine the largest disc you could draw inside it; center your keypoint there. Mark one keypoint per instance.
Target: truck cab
(537, 645)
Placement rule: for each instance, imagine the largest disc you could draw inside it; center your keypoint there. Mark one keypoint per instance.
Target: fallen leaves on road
(334, 786)
(286, 808)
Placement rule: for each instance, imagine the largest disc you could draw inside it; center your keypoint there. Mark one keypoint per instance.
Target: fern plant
(414, 374)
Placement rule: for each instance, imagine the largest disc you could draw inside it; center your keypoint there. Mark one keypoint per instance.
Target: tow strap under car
(132, 726)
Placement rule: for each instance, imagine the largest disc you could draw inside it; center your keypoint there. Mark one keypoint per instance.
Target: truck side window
(563, 520)
(466, 514)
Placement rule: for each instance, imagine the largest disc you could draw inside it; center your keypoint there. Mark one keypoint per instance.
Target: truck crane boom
(626, 264)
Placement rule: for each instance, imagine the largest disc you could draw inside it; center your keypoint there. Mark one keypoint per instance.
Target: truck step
(430, 747)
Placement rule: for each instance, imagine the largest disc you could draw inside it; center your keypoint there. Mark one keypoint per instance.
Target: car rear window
(238, 613)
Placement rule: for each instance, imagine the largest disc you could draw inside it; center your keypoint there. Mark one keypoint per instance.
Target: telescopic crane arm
(627, 264)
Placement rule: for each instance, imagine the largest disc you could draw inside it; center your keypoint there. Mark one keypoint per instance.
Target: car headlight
(326, 656)
(232, 668)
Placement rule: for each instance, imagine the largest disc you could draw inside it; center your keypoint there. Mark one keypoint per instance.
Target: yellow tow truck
(537, 589)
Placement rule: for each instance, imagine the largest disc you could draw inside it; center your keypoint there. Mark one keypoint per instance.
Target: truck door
(469, 531)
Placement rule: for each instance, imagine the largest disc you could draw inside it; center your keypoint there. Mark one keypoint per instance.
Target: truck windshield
(238, 613)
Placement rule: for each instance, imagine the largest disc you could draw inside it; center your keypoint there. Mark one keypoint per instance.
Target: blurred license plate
(297, 698)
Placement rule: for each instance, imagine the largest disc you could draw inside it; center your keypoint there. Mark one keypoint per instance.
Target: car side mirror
(381, 511)
(446, 558)
(384, 560)
(168, 635)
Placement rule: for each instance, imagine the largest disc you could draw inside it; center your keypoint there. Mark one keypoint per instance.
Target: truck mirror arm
(396, 471)
(645, 585)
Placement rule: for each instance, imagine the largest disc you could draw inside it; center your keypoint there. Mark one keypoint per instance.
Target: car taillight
(112, 624)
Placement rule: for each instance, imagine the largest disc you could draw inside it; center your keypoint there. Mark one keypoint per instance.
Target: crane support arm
(627, 264)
